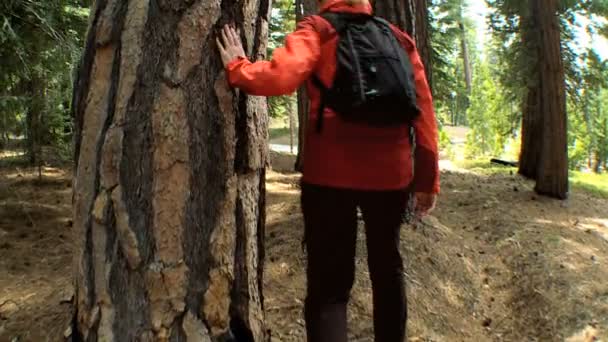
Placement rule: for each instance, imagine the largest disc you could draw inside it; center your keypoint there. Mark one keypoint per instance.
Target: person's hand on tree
(230, 45)
(424, 203)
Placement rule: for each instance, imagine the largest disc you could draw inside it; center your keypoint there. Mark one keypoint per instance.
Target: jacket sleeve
(426, 158)
(290, 66)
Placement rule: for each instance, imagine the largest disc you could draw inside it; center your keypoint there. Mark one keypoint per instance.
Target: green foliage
(596, 184)
(588, 141)
(282, 22)
(275, 133)
(445, 144)
(513, 54)
(449, 27)
(489, 116)
(40, 42)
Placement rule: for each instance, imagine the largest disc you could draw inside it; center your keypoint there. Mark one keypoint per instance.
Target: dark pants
(330, 217)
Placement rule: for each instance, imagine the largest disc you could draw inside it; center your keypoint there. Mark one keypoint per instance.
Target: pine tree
(169, 189)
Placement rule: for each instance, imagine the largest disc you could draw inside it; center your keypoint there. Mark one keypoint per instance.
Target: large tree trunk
(303, 8)
(531, 130)
(552, 177)
(532, 125)
(422, 34)
(398, 12)
(169, 184)
(412, 17)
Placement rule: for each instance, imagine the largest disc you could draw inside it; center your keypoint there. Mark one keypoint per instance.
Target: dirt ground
(494, 263)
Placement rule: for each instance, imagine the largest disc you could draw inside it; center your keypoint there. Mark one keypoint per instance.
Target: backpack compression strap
(323, 90)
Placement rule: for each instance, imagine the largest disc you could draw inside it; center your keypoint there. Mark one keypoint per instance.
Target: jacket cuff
(231, 65)
(233, 68)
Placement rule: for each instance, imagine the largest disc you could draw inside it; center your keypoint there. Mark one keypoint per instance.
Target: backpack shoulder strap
(336, 20)
(323, 23)
(382, 21)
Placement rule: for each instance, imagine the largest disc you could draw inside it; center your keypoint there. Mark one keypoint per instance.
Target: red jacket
(346, 155)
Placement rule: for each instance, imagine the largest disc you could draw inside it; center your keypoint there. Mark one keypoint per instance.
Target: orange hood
(344, 6)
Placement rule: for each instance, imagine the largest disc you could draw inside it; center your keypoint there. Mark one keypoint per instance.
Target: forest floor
(494, 262)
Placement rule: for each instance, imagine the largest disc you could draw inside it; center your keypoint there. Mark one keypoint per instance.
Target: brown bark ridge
(303, 8)
(169, 176)
(552, 177)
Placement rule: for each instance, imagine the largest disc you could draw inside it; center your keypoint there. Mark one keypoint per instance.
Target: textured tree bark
(303, 9)
(552, 177)
(169, 176)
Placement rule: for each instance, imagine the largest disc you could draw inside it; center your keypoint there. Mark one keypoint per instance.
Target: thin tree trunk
(303, 9)
(4, 135)
(598, 162)
(33, 120)
(468, 76)
(291, 125)
(605, 143)
(589, 127)
(169, 176)
(597, 142)
(553, 161)
(303, 111)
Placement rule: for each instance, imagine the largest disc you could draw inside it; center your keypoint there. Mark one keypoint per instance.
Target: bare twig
(8, 301)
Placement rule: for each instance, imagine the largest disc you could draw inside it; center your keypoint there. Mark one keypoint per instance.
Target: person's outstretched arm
(289, 67)
(426, 158)
(425, 125)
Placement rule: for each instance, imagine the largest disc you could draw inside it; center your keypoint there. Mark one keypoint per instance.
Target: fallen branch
(503, 162)
(8, 301)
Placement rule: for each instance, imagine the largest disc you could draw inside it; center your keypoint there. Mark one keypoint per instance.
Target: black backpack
(374, 81)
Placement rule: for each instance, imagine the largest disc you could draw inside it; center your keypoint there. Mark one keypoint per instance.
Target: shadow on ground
(494, 263)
